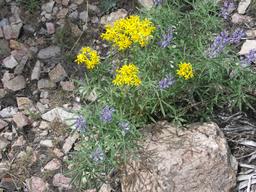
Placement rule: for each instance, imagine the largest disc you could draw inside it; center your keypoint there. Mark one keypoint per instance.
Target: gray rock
(240, 19)
(7, 30)
(57, 74)
(10, 62)
(3, 124)
(16, 84)
(65, 2)
(49, 52)
(47, 7)
(172, 159)
(243, 5)
(46, 143)
(16, 28)
(83, 16)
(8, 112)
(73, 15)
(62, 13)
(59, 180)
(4, 168)
(69, 142)
(67, 85)
(45, 84)
(112, 17)
(3, 143)
(36, 184)
(1, 33)
(2, 93)
(50, 28)
(148, 4)
(247, 46)
(20, 120)
(53, 165)
(35, 75)
(4, 48)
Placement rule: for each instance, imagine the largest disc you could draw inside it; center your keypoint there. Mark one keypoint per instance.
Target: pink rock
(67, 85)
(52, 165)
(20, 120)
(240, 19)
(36, 184)
(65, 2)
(50, 28)
(61, 181)
(7, 32)
(19, 142)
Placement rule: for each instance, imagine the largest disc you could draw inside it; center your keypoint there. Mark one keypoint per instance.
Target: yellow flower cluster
(127, 75)
(126, 31)
(185, 71)
(89, 57)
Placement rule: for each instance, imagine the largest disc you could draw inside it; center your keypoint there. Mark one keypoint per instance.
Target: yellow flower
(127, 75)
(185, 71)
(89, 57)
(127, 31)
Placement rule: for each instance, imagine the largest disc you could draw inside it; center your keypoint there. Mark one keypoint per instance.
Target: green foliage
(31, 5)
(107, 5)
(218, 82)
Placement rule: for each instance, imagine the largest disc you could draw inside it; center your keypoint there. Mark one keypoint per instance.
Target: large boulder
(175, 160)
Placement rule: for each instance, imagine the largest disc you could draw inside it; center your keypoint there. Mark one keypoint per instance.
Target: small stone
(83, 16)
(35, 75)
(44, 125)
(58, 152)
(147, 4)
(92, 96)
(42, 107)
(247, 47)
(3, 124)
(19, 142)
(240, 19)
(93, 8)
(20, 120)
(16, 28)
(45, 84)
(3, 143)
(50, 28)
(69, 142)
(62, 13)
(7, 30)
(49, 52)
(1, 33)
(8, 112)
(57, 74)
(24, 103)
(36, 184)
(75, 30)
(243, 5)
(46, 143)
(251, 34)
(67, 85)
(110, 19)
(4, 168)
(65, 2)
(53, 165)
(10, 62)
(105, 188)
(4, 48)
(48, 6)
(16, 84)
(73, 15)
(95, 20)
(61, 181)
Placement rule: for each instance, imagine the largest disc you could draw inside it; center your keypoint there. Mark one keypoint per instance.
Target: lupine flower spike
(80, 124)
(106, 114)
(237, 36)
(98, 155)
(218, 45)
(251, 56)
(166, 82)
(227, 9)
(166, 39)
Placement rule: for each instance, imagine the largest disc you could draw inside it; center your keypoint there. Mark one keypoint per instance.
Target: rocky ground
(37, 94)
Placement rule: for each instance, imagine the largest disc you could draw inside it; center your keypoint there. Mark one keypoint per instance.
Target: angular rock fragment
(57, 74)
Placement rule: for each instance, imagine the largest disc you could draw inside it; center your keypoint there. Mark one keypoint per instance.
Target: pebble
(10, 62)
(4, 168)
(3, 124)
(147, 4)
(69, 142)
(67, 85)
(49, 52)
(16, 84)
(46, 143)
(3, 143)
(247, 46)
(59, 180)
(20, 120)
(24, 103)
(47, 7)
(83, 16)
(112, 17)
(35, 75)
(240, 19)
(50, 28)
(45, 84)
(8, 112)
(52, 165)
(243, 5)
(57, 74)
(36, 184)
(65, 2)
(62, 13)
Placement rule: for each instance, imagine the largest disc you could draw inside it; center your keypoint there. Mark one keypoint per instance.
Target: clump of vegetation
(107, 5)
(30, 5)
(166, 64)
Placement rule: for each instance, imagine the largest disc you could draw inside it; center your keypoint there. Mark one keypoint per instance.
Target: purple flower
(124, 126)
(166, 39)
(106, 114)
(237, 36)
(251, 56)
(227, 9)
(80, 124)
(166, 82)
(98, 155)
(158, 2)
(218, 45)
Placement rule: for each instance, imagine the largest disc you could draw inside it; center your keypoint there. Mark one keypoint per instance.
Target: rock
(49, 52)
(93, 8)
(61, 181)
(67, 85)
(16, 84)
(62, 13)
(240, 19)
(1, 33)
(4, 168)
(58, 73)
(47, 7)
(46, 143)
(148, 4)
(4, 48)
(110, 19)
(251, 34)
(69, 142)
(83, 16)
(10, 62)
(58, 153)
(105, 188)
(247, 46)
(8, 112)
(50, 28)
(16, 28)
(92, 96)
(45, 84)
(3, 143)
(60, 114)
(24, 103)
(2, 93)
(42, 107)
(36, 184)
(20, 120)
(65, 2)
(52, 165)
(242, 6)
(35, 75)
(172, 159)
(19, 142)
(44, 125)
(95, 20)
(3, 124)
(7, 30)
(73, 15)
